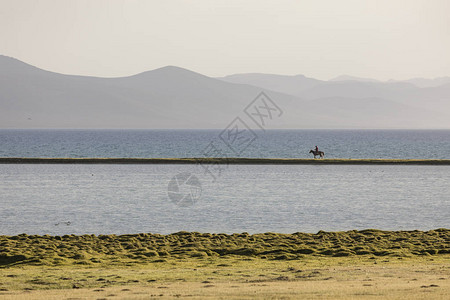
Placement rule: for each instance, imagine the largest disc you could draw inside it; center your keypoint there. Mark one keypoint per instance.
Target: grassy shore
(334, 265)
(236, 277)
(223, 160)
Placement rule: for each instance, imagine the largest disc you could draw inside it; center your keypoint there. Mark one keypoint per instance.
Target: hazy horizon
(363, 64)
(173, 97)
(340, 77)
(372, 39)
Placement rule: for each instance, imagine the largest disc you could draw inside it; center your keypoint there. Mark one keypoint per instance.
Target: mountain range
(173, 97)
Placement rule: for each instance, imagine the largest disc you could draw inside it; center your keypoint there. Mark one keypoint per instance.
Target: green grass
(337, 277)
(333, 265)
(220, 160)
(148, 248)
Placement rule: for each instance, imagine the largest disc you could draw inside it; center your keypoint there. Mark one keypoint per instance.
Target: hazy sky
(381, 39)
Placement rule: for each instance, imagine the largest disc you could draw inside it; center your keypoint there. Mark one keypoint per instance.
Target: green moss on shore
(223, 160)
(137, 248)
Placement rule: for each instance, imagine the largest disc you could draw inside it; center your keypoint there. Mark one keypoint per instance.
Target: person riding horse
(316, 152)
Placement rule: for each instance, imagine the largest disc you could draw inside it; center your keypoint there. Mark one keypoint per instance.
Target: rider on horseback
(316, 152)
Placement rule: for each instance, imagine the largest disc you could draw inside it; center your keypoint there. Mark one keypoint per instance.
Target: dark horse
(317, 153)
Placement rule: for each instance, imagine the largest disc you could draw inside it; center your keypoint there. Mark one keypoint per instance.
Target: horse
(317, 153)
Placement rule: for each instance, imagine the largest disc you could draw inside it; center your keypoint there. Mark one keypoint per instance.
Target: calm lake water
(102, 199)
(194, 143)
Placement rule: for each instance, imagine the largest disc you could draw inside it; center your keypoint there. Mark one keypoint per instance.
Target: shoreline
(337, 265)
(89, 249)
(235, 278)
(225, 161)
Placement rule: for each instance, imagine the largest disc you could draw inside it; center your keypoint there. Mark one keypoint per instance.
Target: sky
(382, 39)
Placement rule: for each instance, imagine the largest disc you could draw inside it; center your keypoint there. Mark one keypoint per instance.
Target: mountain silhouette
(173, 97)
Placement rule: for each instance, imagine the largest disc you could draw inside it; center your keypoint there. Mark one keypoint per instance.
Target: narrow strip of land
(223, 160)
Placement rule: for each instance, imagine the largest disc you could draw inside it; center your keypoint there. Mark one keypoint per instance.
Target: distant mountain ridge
(434, 97)
(425, 82)
(352, 78)
(173, 97)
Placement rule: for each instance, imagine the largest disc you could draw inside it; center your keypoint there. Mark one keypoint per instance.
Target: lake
(103, 199)
(402, 144)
